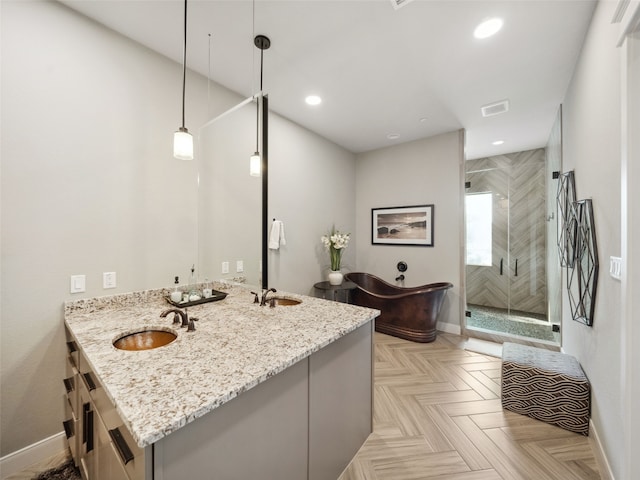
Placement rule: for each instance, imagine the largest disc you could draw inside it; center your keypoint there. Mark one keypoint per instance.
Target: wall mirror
(230, 200)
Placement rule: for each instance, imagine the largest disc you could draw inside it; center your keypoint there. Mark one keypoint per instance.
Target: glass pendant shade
(254, 165)
(183, 144)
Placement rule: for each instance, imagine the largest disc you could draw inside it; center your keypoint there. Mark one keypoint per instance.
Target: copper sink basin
(286, 302)
(145, 340)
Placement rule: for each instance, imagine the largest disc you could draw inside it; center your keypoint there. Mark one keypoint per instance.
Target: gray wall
(591, 146)
(417, 173)
(311, 188)
(89, 185)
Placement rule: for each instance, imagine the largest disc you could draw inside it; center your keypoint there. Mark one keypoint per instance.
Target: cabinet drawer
(71, 385)
(86, 437)
(131, 456)
(109, 465)
(71, 429)
(72, 348)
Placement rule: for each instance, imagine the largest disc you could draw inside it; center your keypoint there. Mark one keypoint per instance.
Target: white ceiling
(416, 71)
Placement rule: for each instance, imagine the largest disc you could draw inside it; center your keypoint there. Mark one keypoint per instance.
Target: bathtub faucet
(400, 277)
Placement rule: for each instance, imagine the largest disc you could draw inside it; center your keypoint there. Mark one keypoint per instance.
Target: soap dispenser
(176, 295)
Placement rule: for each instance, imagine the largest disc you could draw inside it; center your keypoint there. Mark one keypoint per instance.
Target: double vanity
(282, 392)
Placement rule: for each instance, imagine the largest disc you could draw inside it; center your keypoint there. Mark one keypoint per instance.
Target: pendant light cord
(257, 103)
(184, 61)
(261, 63)
(209, 78)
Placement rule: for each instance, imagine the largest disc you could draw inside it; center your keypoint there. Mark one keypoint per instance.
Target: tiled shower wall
(517, 181)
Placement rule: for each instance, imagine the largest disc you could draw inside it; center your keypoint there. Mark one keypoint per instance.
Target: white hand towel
(276, 237)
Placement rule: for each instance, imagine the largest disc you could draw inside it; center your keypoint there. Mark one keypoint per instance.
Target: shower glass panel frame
(514, 282)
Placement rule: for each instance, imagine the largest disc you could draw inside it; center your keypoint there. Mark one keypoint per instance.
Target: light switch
(225, 267)
(109, 280)
(239, 266)
(78, 283)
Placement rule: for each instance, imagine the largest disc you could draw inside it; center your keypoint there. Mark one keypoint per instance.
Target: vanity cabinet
(101, 446)
(307, 422)
(281, 393)
(71, 423)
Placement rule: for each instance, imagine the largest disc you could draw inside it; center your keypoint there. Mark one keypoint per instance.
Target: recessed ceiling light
(393, 136)
(488, 28)
(313, 100)
(497, 142)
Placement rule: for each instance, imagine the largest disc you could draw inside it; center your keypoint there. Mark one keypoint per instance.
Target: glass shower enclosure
(506, 245)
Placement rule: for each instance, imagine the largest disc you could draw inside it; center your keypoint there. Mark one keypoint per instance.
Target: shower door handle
(501, 263)
(516, 267)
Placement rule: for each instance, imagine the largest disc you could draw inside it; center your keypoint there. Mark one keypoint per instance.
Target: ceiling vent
(399, 3)
(495, 108)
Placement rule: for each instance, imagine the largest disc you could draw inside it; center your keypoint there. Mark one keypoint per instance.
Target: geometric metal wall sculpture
(582, 276)
(567, 226)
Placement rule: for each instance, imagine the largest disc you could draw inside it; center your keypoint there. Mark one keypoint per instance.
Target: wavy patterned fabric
(545, 385)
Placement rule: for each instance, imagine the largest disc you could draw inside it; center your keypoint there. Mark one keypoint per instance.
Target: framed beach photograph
(402, 226)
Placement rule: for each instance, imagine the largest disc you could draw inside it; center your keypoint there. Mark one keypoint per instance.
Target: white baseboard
(482, 346)
(598, 451)
(32, 454)
(449, 328)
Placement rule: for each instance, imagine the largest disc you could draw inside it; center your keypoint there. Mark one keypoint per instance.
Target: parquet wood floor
(437, 415)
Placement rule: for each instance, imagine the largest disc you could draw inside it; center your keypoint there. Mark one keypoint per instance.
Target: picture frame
(407, 225)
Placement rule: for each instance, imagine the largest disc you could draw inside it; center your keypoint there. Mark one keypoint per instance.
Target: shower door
(506, 225)
(487, 209)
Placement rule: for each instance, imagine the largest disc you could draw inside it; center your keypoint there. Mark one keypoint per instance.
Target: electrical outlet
(78, 284)
(615, 267)
(239, 266)
(225, 267)
(108, 279)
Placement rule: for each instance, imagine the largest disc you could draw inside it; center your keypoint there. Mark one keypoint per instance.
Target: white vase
(335, 277)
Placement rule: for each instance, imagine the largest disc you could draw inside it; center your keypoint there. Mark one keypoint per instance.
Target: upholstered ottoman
(545, 385)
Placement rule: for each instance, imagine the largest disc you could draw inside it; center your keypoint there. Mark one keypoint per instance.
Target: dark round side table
(345, 287)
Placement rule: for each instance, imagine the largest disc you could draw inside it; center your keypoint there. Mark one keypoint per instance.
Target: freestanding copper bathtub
(409, 313)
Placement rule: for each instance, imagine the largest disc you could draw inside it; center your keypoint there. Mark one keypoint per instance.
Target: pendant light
(255, 164)
(254, 160)
(182, 139)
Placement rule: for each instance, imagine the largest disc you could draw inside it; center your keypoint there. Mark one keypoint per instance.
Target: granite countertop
(237, 345)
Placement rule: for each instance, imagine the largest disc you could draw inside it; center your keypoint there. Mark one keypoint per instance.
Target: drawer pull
(71, 346)
(89, 431)
(69, 385)
(68, 428)
(85, 427)
(90, 383)
(121, 445)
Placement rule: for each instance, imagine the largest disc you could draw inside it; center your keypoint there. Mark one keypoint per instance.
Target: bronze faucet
(186, 322)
